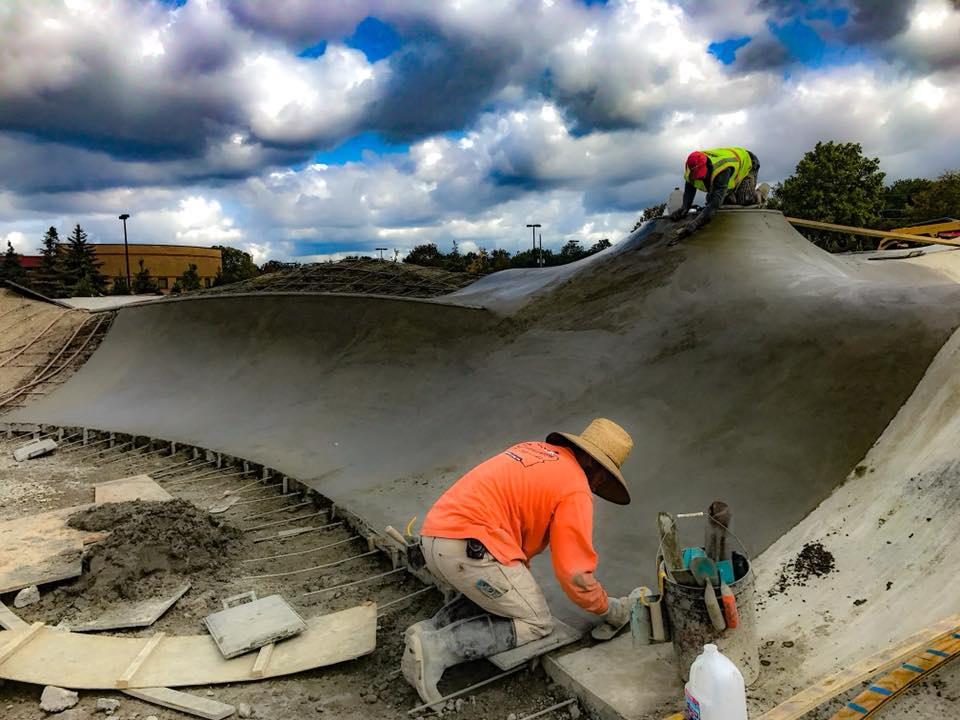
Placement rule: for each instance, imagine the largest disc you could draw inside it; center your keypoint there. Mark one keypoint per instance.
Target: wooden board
(184, 702)
(871, 233)
(141, 614)
(562, 635)
(829, 687)
(243, 628)
(8, 620)
(39, 549)
(135, 487)
(54, 657)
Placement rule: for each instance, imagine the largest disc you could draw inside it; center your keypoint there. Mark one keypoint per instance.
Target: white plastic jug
(674, 201)
(715, 690)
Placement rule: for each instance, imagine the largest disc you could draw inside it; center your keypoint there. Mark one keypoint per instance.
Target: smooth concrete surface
(616, 680)
(749, 365)
(107, 302)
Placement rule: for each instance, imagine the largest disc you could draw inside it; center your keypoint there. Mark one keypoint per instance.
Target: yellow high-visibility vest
(721, 159)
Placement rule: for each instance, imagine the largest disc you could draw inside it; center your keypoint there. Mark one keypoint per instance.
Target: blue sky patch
(314, 51)
(374, 38)
(725, 51)
(806, 47)
(357, 147)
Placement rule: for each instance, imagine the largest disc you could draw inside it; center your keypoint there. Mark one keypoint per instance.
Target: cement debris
(55, 699)
(27, 596)
(813, 560)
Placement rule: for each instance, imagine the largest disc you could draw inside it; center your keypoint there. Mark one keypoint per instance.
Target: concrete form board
(749, 366)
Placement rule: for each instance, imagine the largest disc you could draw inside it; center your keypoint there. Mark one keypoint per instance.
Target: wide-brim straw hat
(608, 444)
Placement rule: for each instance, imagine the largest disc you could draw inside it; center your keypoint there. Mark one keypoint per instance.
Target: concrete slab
(242, 628)
(35, 449)
(619, 682)
(135, 615)
(749, 365)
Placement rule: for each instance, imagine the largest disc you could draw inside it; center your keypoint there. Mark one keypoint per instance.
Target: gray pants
(746, 192)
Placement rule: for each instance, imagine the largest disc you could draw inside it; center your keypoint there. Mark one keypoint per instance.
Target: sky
(304, 130)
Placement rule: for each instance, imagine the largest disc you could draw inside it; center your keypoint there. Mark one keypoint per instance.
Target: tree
(48, 279)
(898, 197)
(940, 199)
(11, 269)
(142, 282)
(119, 286)
(455, 262)
(479, 263)
(834, 183)
(571, 251)
(425, 255)
(235, 265)
(499, 260)
(190, 279)
(599, 246)
(80, 266)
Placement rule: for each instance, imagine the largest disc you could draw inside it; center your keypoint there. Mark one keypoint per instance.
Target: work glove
(679, 213)
(618, 612)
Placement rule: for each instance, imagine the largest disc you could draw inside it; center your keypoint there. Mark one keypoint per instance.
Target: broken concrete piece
(108, 705)
(27, 596)
(252, 625)
(244, 710)
(135, 487)
(141, 614)
(34, 449)
(223, 505)
(55, 699)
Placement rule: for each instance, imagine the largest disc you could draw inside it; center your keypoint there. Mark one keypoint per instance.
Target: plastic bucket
(691, 628)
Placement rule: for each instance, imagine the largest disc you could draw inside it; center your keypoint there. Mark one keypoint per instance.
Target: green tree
(834, 183)
(940, 199)
(235, 265)
(190, 279)
(479, 262)
(499, 260)
(599, 246)
(426, 255)
(455, 261)
(11, 269)
(142, 282)
(898, 197)
(48, 278)
(119, 286)
(571, 251)
(80, 266)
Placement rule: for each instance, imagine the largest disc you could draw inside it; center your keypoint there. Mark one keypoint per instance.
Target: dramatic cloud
(305, 129)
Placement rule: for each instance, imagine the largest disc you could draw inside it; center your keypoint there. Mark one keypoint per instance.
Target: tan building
(166, 263)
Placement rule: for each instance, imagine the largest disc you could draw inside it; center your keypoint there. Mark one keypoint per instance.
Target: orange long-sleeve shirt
(516, 503)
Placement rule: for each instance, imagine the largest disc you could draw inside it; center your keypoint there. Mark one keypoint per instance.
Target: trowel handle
(393, 533)
(730, 612)
(713, 608)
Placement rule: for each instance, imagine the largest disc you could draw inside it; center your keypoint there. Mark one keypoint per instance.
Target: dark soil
(813, 560)
(149, 540)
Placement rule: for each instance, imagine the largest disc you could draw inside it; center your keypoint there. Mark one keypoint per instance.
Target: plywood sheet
(135, 487)
(133, 615)
(39, 549)
(62, 658)
(562, 635)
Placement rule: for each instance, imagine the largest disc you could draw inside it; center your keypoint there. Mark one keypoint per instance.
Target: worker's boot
(429, 652)
(460, 608)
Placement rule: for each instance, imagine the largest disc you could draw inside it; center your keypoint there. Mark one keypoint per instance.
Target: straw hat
(608, 444)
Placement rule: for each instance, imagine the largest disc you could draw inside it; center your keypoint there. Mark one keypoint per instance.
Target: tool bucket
(691, 628)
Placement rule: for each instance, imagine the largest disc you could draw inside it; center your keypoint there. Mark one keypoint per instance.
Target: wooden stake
(126, 677)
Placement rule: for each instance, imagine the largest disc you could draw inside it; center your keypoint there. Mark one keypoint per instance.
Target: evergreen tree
(11, 269)
(190, 280)
(142, 283)
(48, 279)
(80, 265)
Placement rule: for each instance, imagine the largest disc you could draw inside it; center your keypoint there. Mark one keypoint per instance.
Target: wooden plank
(127, 675)
(8, 620)
(22, 637)
(141, 614)
(55, 657)
(184, 702)
(263, 660)
(871, 233)
(135, 487)
(562, 635)
(39, 549)
(819, 693)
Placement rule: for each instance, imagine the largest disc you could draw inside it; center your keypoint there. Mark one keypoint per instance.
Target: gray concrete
(749, 366)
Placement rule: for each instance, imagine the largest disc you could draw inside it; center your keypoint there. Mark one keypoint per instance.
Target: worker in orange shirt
(480, 535)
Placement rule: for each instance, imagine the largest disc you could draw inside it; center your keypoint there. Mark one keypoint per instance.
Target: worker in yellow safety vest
(727, 175)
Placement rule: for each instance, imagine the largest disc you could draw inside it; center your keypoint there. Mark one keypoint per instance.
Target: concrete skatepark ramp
(748, 365)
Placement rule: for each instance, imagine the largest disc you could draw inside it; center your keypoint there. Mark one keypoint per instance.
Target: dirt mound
(148, 540)
(813, 560)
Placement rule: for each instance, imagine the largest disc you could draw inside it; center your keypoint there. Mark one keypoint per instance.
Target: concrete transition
(749, 366)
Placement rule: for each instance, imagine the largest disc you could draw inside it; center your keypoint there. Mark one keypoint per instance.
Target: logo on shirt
(530, 454)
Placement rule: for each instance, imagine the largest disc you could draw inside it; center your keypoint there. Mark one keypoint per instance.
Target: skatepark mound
(748, 365)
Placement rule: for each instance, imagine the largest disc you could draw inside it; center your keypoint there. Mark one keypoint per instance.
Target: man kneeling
(480, 535)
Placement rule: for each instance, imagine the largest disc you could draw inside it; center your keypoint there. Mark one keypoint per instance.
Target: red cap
(697, 165)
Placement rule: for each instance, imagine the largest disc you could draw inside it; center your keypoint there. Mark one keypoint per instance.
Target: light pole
(533, 229)
(380, 250)
(126, 251)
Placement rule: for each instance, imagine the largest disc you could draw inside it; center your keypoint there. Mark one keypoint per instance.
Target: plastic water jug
(715, 690)
(675, 201)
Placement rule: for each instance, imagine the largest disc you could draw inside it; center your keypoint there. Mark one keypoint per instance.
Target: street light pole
(381, 252)
(533, 229)
(126, 251)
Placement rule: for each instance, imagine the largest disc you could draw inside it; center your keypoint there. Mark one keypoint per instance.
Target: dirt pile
(813, 560)
(150, 540)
